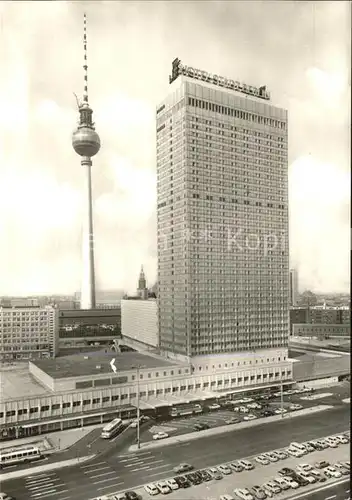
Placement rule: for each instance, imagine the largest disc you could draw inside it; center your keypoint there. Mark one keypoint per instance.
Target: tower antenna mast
(86, 143)
(85, 62)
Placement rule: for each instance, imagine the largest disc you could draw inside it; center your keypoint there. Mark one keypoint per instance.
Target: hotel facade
(222, 220)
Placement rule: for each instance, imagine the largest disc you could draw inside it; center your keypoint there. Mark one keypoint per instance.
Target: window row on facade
(236, 113)
(96, 399)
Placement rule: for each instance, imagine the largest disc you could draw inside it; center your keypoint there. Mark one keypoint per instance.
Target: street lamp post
(282, 398)
(138, 411)
(138, 367)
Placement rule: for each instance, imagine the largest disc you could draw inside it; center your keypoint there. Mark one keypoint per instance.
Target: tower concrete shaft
(88, 278)
(86, 143)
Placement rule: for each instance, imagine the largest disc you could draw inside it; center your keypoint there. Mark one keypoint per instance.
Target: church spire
(142, 285)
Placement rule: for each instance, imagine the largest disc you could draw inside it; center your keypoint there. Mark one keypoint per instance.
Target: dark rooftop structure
(95, 363)
(89, 316)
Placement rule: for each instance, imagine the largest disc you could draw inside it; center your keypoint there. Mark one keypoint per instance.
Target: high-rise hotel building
(222, 216)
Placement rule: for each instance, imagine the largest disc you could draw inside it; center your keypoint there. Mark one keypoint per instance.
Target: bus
(184, 409)
(112, 428)
(19, 455)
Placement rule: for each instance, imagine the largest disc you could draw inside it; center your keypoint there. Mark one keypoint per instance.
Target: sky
(300, 50)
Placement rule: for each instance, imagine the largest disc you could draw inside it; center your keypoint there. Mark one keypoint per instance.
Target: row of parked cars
(303, 475)
(262, 412)
(287, 478)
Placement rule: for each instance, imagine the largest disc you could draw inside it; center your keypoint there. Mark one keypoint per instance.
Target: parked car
(243, 409)
(295, 407)
(272, 487)
(313, 445)
(205, 475)
(279, 411)
(332, 472)
(345, 463)
(281, 454)
(246, 464)
(226, 497)
(295, 453)
(331, 442)
(307, 475)
(215, 474)
(339, 467)
(142, 418)
(258, 492)
(309, 447)
(172, 484)
(249, 417)
(151, 489)
(163, 487)
(286, 471)
(214, 406)
(271, 456)
(282, 483)
(268, 493)
(201, 426)
(182, 482)
(322, 443)
(131, 495)
(302, 481)
(243, 494)
(232, 420)
(291, 482)
(252, 406)
(343, 439)
(184, 467)
(225, 469)
(160, 435)
(304, 467)
(194, 478)
(236, 466)
(261, 459)
(321, 464)
(318, 475)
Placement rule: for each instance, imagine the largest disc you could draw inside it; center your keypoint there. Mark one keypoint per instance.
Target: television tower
(86, 143)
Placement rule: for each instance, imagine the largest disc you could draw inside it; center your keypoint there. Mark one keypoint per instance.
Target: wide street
(113, 471)
(92, 444)
(339, 491)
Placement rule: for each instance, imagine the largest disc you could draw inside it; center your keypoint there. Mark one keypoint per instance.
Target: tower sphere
(85, 141)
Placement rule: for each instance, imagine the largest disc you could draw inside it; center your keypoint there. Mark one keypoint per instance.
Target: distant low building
(104, 299)
(319, 316)
(139, 322)
(85, 327)
(321, 331)
(28, 332)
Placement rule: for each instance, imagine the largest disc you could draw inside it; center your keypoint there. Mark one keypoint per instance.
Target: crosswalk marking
(110, 486)
(92, 465)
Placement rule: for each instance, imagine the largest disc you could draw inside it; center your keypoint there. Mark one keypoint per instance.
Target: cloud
(300, 50)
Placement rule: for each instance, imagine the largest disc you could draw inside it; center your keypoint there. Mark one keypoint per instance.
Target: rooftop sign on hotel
(180, 69)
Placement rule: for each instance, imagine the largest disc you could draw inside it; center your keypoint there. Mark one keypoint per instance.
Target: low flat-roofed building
(83, 389)
(319, 316)
(28, 332)
(139, 322)
(94, 369)
(20, 384)
(319, 330)
(84, 327)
